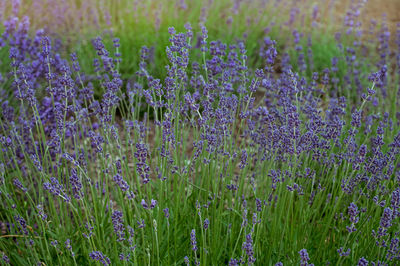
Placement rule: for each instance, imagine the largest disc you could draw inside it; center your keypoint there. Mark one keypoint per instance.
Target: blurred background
(139, 23)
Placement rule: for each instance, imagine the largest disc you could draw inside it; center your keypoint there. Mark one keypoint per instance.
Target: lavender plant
(217, 162)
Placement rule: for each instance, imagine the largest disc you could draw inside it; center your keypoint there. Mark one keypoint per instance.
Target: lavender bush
(217, 162)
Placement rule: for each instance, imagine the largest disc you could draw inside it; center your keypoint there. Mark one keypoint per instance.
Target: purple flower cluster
(123, 185)
(193, 241)
(19, 185)
(304, 258)
(284, 141)
(353, 217)
(248, 248)
(206, 223)
(100, 257)
(118, 223)
(68, 246)
(152, 205)
(76, 184)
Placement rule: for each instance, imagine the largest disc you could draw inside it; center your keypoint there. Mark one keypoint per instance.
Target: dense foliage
(215, 162)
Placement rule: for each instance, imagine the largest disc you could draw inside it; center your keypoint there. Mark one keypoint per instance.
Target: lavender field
(254, 132)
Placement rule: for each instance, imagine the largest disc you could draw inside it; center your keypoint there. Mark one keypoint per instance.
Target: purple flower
(153, 203)
(353, 213)
(204, 36)
(362, 262)
(118, 224)
(255, 219)
(76, 184)
(142, 168)
(75, 63)
(46, 46)
(141, 223)
(258, 204)
(19, 185)
(116, 42)
(248, 247)
(186, 259)
(353, 217)
(395, 201)
(234, 262)
(55, 188)
(97, 141)
(304, 258)
(243, 159)
(22, 226)
(123, 185)
(6, 259)
(98, 256)
(343, 253)
(166, 213)
(68, 246)
(36, 162)
(193, 240)
(90, 229)
(41, 212)
(144, 204)
(206, 224)
(386, 219)
(356, 119)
